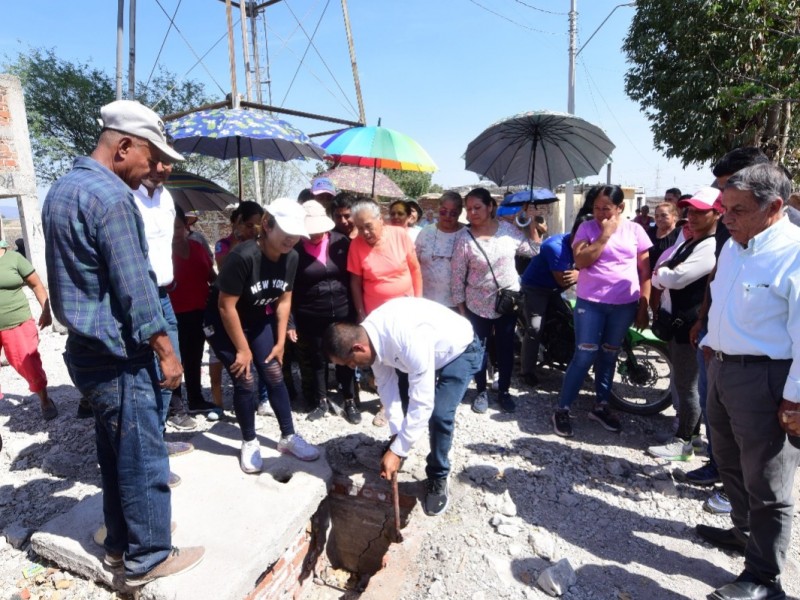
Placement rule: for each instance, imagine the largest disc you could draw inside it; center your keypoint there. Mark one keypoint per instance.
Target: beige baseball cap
(129, 116)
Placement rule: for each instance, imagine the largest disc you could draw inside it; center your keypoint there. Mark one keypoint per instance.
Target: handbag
(507, 301)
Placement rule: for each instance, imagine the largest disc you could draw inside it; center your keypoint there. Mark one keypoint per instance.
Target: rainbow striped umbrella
(379, 148)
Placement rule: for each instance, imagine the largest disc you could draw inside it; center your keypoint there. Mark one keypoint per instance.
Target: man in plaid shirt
(103, 291)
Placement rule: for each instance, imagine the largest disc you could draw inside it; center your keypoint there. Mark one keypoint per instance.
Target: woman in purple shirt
(613, 290)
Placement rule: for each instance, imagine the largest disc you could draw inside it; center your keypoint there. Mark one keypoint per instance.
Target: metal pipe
(120, 37)
(351, 47)
(132, 51)
(231, 55)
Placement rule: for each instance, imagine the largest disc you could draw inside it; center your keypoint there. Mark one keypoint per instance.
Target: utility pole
(361, 116)
(120, 37)
(569, 190)
(243, 8)
(132, 51)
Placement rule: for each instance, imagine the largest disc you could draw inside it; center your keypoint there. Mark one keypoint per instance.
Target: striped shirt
(101, 285)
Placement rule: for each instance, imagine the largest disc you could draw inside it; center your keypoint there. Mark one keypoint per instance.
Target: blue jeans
(245, 391)
(451, 383)
(599, 331)
(172, 333)
(134, 467)
(502, 329)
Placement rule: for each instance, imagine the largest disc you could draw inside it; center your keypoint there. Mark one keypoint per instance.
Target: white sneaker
(250, 457)
(265, 410)
(298, 447)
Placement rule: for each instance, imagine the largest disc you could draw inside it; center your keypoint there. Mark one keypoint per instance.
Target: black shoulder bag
(507, 301)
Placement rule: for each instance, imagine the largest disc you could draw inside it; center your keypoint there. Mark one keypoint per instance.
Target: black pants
(191, 341)
(313, 363)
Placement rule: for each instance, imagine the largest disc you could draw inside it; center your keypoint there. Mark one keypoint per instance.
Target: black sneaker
(561, 423)
(605, 417)
(705, 475)
(319, 412)
(507, 402)
(201, 407)
(178, 448)
(436, 499)
(351, 413)
(84, 409)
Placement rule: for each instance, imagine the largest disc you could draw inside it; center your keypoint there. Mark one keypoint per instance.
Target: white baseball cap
(129, 116)
(316, 219)
(289, 215)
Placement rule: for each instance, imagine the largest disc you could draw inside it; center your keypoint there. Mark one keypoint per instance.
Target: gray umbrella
(539, 148)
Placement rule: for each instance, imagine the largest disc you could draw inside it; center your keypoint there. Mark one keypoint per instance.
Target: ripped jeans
(599, 331)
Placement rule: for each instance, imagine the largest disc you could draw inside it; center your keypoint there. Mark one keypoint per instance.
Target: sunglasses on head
(443, 212)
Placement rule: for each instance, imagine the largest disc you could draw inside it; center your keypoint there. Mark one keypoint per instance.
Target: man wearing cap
(754, 377)
(103, 291)
(157, 208)
(439, 351)
(323, 190)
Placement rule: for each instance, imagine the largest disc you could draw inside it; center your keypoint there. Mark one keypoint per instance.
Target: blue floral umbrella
(241, 133)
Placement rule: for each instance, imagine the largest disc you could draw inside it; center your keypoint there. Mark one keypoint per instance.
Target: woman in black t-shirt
(246, 322)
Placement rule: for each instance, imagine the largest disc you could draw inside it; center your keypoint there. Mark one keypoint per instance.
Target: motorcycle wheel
(645, 390)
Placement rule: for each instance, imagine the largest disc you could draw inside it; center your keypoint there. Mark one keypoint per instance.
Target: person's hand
(241, 364)
(609, 226)
(172, 370)
(708, 354)
(292, 335)
(694, 333)
(277, 354)
(46, 318)
(642, 320)
(390, 464)
(789, 417)
(570, 277)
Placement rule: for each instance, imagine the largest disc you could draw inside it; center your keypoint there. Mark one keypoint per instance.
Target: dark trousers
(314, 364)
(260, 339)
(502, 330)
(756, 462)
(191, 341)
(535, 309)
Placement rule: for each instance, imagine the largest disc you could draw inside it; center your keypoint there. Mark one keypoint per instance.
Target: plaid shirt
(101, 285)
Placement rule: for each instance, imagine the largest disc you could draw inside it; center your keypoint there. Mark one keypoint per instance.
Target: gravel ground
(522, 499)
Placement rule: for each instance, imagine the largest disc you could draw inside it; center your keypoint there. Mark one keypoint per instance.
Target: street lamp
(569, 209)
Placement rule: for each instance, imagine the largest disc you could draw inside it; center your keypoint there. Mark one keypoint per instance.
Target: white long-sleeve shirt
(158, 214)
(418, 337)
(755, 300)
(698, 264)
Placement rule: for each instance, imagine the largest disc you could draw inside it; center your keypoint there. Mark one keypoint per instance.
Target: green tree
(413, 183)
(711, 75)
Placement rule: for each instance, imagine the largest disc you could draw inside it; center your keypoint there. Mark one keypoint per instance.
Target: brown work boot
(179, 561)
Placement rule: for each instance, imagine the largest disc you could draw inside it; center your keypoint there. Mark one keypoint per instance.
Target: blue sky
(439, 71)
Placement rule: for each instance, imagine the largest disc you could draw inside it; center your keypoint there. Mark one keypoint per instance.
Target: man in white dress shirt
(438, 349)
(754, 377)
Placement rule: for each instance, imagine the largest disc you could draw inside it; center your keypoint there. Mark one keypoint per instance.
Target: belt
(745, 358)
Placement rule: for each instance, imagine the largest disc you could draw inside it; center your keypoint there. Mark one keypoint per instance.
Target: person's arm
(585, 253)
(171, 367)
(416, 272)
(282, 311)
(357, 292)
(698, 264)
(702, 313)
(233, 327)
(35, 283)
(565, 279)
(459, 267)
(643, 267)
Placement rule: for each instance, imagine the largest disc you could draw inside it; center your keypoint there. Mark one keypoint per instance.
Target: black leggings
(191, 341)
(314, 364)
(261, 340)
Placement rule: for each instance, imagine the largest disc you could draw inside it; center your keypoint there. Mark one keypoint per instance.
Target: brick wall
(8, 156)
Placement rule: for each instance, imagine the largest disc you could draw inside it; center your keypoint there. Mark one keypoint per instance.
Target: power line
(163, 43)
(505, 18)
(541, 10)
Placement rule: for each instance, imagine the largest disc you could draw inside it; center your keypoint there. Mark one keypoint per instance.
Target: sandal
(50, 411)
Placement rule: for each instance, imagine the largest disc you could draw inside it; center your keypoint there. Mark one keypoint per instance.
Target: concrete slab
(244, 521)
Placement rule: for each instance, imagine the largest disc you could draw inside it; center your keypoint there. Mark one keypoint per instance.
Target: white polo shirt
(158, 214)
(416, 336)
(755, 300)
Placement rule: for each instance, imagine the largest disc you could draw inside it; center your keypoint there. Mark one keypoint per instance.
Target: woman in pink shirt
(613, 290)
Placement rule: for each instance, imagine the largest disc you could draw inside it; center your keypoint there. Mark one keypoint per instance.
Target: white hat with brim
(316, 219)
(133, 118)
(289, 215)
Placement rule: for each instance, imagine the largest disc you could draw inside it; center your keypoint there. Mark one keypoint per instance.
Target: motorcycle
(643, 373)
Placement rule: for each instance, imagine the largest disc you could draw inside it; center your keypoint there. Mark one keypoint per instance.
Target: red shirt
(191, 279)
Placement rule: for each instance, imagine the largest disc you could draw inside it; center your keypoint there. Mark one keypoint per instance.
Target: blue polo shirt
(554, 255)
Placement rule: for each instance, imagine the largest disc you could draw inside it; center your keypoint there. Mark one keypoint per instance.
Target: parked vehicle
(642, 379)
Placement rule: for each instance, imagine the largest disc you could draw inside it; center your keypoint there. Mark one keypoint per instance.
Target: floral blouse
(471, 280)
(434, 251)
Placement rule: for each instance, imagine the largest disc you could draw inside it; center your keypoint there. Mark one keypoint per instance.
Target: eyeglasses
(454, 214)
